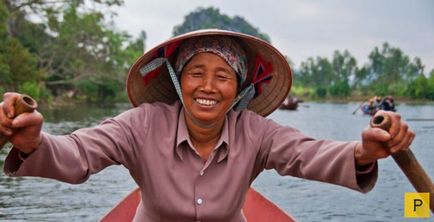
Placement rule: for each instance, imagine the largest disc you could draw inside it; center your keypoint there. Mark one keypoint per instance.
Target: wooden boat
(376, 103)
(256, 208)
(368, 110)
(290, 103)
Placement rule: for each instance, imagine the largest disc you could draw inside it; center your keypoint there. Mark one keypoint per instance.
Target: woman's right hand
(24, 130)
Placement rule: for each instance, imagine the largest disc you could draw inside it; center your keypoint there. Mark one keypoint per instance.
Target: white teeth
(206, 102)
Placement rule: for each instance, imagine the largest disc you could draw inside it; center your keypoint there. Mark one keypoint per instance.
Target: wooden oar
(354, 112)
(24, 104)
(408, 163)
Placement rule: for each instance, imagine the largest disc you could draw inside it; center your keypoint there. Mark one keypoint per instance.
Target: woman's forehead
(209, 58)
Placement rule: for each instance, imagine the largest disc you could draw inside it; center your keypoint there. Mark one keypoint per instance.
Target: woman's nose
(208, 84)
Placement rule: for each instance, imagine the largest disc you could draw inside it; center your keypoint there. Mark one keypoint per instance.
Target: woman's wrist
(359, 158)
(31, 148)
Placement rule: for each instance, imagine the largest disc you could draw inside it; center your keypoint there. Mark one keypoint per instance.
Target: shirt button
(199, 201)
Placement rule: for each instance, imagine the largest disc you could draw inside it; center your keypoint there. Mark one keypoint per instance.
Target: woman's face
(209, 87)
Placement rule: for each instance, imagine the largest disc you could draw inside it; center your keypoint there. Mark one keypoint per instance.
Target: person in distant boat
(197, 136)
(377, 102)
(388, 104)
(370, 107)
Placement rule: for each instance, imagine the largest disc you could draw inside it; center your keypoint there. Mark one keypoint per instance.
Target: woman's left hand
(378, 143)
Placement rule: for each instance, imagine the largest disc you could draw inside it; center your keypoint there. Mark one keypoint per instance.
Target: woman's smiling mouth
(206, 102)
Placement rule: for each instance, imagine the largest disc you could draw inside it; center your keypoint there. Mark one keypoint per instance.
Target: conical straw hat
(268, 70)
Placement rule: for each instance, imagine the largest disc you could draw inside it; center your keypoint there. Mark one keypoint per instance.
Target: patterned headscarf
(225, 47)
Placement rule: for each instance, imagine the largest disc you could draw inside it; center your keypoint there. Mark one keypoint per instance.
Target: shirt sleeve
(73, 158)
(290, 152)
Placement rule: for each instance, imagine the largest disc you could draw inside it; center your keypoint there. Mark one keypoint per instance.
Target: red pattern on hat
(165, 52)
(261, 73)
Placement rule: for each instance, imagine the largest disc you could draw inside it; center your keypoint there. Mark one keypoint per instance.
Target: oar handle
(23, 104)
(408, 162)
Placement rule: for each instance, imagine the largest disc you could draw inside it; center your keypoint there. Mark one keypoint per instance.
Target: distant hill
(206, 18)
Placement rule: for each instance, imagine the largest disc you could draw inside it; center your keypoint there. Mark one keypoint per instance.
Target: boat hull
(256, 208)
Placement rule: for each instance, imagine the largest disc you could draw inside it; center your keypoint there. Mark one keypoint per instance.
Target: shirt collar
(183, 136)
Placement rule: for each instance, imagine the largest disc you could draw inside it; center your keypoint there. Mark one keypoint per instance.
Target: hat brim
(159, 88)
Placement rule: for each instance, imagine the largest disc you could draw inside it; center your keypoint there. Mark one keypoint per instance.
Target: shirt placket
(200, 200)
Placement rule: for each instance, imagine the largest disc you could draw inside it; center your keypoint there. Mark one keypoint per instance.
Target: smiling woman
(197, 137)
(209, 87)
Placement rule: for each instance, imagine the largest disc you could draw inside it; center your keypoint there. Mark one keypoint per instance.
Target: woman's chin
(205, 119)
(205, 115)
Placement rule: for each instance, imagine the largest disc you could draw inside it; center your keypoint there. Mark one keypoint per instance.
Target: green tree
(85, 51)
(328, 77)
(422, 87)
(17, 64)
(316, 73)
(50, 10)
(430, 89)
(389, 70)
(418, 88)
(207, 18)
(344, 67)
(71, 44)
(136, 47)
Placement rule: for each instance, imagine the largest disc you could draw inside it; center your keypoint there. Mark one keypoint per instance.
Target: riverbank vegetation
(389, 71)
(71, 51)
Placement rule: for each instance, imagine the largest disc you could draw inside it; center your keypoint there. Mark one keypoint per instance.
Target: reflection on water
(37, 199)
(68, 119)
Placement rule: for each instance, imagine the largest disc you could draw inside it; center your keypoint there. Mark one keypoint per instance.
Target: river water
(38, 199)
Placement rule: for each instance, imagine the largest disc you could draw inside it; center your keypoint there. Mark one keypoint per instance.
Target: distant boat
(375, 104)
(256, 208)
(290, 103)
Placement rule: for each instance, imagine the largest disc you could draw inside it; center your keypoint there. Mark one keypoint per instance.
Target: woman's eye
(223, 77)
(196, 74)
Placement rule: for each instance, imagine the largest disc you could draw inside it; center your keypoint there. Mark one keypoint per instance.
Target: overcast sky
(302, 29)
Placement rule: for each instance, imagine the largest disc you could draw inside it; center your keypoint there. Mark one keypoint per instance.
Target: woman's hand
(24, 130)
(378, 143)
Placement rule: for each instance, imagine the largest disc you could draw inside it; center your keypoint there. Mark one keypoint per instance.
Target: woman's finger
(9, 100)
(404, 144)
(401, 134)
(376, 135)
(27, 119)
(5, 123)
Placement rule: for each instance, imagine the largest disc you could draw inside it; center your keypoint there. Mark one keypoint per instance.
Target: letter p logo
(416, 205)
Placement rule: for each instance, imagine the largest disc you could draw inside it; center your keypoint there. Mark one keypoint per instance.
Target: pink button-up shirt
(152, 141)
